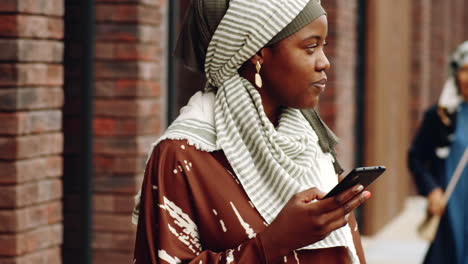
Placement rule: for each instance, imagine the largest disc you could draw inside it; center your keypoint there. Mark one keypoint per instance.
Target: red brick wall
(129, 114)
(31, 141)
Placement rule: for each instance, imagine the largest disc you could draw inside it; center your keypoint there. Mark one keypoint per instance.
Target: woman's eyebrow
(312, 37)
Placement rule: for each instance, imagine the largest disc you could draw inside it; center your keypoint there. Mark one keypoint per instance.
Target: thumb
(311, 194)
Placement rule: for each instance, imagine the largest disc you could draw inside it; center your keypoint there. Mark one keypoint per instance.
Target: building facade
(87, 85)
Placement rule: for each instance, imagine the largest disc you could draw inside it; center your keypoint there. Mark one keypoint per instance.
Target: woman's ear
(257, 57)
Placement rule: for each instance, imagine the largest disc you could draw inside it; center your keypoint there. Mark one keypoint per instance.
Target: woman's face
(293, 70)
(462, 79)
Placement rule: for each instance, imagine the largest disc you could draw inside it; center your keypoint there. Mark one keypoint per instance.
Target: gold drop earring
(258, 78)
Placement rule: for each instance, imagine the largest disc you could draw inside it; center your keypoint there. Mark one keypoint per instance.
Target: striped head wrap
(203, 18)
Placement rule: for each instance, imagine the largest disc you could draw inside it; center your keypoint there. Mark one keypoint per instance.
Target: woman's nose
(323, 63)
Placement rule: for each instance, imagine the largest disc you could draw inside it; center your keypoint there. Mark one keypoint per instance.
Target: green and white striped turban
(203, 18)
(246, 28)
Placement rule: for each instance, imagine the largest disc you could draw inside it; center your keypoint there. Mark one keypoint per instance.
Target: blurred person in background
(435, 152)
(238, 176)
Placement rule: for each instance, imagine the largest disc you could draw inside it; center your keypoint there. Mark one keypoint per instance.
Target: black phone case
(361, 175)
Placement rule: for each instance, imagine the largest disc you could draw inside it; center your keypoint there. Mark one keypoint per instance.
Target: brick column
(128, 116)
(31, 97)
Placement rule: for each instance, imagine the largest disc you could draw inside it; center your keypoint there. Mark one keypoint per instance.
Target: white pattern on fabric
(223, 226)
(221, 222)
(230, 256)
(188, 234)
(296, 257)
(248, 230)
(162, 254)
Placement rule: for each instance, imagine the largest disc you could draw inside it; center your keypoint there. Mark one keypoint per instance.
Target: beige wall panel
(387, 107)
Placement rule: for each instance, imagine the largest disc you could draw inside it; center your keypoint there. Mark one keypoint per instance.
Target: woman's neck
(270, 106)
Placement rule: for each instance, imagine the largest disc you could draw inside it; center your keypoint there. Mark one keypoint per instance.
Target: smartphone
(360, 175)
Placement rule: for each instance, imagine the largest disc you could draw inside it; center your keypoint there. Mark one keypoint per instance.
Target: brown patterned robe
(193, 210)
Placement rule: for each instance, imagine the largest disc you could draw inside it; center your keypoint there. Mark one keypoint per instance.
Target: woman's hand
(435, 202)
(305, 220)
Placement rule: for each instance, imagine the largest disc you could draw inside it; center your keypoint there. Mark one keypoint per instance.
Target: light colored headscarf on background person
(271, 163)
(450, 97)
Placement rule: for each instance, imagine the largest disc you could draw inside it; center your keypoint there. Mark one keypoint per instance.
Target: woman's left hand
(435, 200)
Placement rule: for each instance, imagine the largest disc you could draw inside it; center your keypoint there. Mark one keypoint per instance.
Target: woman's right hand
(435, 202)
(305, 220)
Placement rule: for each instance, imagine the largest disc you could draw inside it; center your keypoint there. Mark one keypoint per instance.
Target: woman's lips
(321, 84)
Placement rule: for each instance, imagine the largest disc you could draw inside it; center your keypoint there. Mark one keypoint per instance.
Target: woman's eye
(311, 48)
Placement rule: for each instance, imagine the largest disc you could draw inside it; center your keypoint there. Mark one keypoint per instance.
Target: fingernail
(367, 195)
(359, 188)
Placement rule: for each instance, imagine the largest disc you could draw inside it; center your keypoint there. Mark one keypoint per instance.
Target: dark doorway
(77, 129)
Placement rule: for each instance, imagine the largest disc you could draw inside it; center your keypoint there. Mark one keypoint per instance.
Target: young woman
(436, 150)
(239, 176)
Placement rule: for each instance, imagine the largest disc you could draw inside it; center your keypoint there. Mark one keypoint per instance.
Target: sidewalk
(398, 242)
